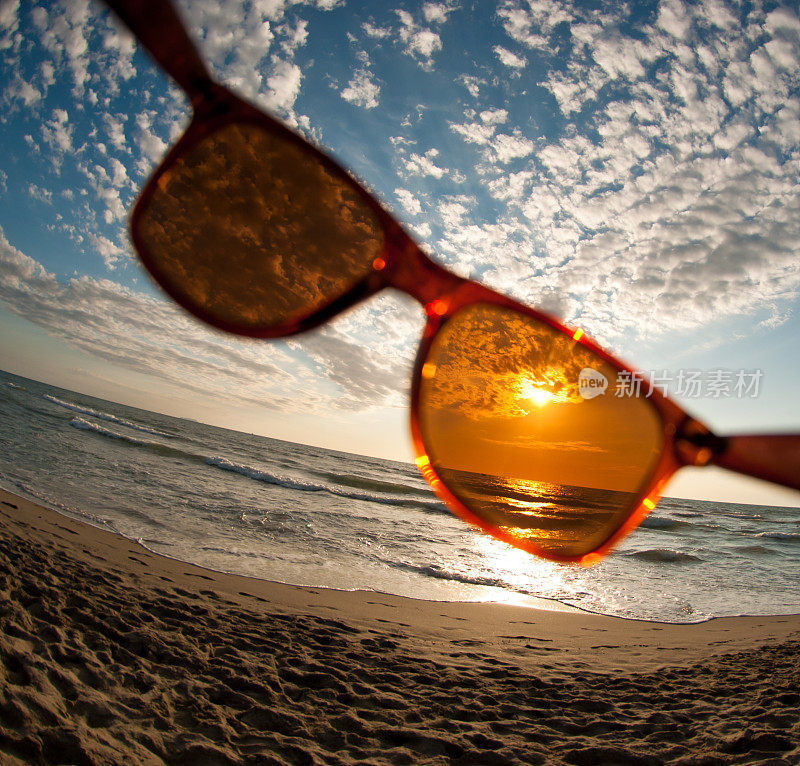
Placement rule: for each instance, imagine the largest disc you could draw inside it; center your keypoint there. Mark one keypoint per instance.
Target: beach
(113, 654)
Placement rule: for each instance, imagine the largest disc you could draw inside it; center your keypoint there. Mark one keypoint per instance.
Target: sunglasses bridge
(410, 270)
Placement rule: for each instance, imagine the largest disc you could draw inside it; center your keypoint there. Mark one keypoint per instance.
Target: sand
(110, 654)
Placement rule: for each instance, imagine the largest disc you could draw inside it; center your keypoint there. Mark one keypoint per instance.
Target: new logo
(591, 383)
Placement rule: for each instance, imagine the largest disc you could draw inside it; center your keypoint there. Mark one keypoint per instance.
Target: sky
(633, 168)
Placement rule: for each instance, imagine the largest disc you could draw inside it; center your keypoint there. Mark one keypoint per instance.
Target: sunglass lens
(251, 231)
(535, 434)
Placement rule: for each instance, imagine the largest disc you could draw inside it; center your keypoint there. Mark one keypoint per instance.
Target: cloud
(409, 202)
(9, 18)
(151, 146)
(531, 24)
(377, 33)
(63, 31)
(494, 116)
(424, 165)
(472, 84)
(284, 85)
(655, 190)
(152, 336)
(508, 58)
(421, 42)
(639, 215)
(673, 19)
(362, 90)
(474, 132)
(437, 12)
(38, 193)
(511, 147)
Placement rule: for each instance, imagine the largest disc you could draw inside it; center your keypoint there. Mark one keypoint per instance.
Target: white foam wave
(107, 416)
(87, 425)
(779, 535)
(307, 486)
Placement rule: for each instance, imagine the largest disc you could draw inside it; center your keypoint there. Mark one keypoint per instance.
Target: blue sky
(632, 168)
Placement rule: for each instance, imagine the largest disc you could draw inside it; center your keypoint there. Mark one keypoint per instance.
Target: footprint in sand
(242, 593)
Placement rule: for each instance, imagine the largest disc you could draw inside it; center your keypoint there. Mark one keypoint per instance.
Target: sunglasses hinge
(696, 445)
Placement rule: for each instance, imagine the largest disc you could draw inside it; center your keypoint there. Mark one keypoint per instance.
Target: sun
(536, 395)
(541, 396)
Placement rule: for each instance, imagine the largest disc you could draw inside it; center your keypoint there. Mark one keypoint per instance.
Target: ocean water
(304, 515)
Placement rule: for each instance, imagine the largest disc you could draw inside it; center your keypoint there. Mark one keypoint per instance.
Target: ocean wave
(660, 522)
(785, 536)
(664, 556)
(759, 550)
(306, 486)
(374, 485)
(161, 449)
(107, 416)
(432, 570)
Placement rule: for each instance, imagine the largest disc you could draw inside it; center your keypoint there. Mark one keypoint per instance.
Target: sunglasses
(517, 420)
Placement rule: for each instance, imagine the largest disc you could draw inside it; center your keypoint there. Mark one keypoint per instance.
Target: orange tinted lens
(525, 427)
(250, 229)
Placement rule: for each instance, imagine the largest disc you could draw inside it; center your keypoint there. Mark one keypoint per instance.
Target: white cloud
(424, 165)
(531, 23)
(151, 145)
(420, 42)
(511, 147)
(38, 193)
(284, 85)
(115, 130)
(783, 21)
(472, 84)
(63, 30)
(109, 251)
(474, 132)
(378, 33)
(362, 90)
(494, 116)
(294, 37)
(681, 209)
(9, 16)
(409, 202)
(424, 43)
(436, 13)
(57, 134)
(24, 91)
(508, 58)
(672, 18)
(482, 130)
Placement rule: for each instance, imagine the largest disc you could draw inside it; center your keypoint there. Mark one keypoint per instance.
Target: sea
(304, 515)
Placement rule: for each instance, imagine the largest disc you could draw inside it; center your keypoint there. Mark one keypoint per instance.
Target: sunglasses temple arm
(775, 457)
(157, 26)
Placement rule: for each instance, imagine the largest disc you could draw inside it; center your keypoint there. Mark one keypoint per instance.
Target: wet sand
(110, 654)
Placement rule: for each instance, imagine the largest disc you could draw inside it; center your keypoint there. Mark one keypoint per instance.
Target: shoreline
(93, 622)
(536, 603)
(367, 606)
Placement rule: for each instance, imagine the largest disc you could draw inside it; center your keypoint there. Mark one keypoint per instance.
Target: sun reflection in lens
(539, 396)
(541, 392)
